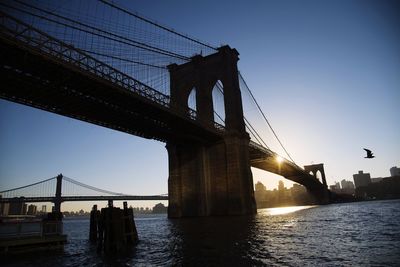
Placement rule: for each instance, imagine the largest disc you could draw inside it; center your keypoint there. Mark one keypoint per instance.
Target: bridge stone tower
(321, 196)
(314, 168)
(210, 177)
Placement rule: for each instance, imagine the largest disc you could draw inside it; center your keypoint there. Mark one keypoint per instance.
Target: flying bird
(370, 155)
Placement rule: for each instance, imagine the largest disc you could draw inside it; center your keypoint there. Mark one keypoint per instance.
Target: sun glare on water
(284, 210)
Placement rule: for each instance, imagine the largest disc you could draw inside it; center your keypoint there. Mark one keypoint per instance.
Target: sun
(279, 159)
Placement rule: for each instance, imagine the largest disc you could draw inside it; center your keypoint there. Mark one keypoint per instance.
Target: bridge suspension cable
(29, 185)
(45, 190)
(250, 127)
(42, 188)
(126, 41)
(264, 117)
(157, 25)
(95, 31)
(91, 187)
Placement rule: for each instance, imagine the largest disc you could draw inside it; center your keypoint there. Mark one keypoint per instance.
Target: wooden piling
(130, 227)
(115, 228)
(94, 223)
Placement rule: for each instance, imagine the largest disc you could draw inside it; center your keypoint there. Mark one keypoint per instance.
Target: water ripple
(355, 234)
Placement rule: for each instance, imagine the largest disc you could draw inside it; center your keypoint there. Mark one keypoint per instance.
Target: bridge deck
(265, 159)
(40, 71)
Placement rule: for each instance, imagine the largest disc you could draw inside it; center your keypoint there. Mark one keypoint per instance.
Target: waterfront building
(281, 186)
(282, 194)
(376, 180)
(297, 190)
(347, 184)
(260, 187)
(387, 188)
(260, 192)
(4, 208)
(361, 179)
(333, 187)
(17, 208)
(160, 208)
(297, 195)
(337, 185)
(394, 171)
(32, 210)
(347, 187)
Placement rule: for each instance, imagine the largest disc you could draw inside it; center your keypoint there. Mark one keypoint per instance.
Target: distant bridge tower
(314, 168)
(321, 196)
(210, 177)
(58, 198)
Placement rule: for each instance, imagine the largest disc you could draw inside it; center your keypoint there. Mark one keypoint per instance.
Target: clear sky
(326, 74)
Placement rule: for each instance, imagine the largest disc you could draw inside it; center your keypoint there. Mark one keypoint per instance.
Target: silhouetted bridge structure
(61, 189)
(84, 198)
(83, 69)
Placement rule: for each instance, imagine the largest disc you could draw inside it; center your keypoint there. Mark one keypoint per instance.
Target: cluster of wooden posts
(113, 229)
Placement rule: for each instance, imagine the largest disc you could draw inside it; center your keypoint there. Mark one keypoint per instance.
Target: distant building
(297, 189)
(282, 194)
(376, 180)
(337, 184)
(260, 186)
(17, 208)
(335, 187)
(387, 188)
(394, 171)
(297, 195)
(344, 187)
(347, 184)
(4, 208)
(347, 187)
(160, 208)
(32, 210)
(361, 179)
(259, 192)
(281, 186)
(44, 208)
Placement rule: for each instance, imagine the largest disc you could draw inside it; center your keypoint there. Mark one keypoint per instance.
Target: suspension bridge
(104, 64)
(61, 189)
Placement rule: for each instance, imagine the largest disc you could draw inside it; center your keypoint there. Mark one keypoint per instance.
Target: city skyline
(326, 75)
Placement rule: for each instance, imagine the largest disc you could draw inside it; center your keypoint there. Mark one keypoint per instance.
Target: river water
(352, 234)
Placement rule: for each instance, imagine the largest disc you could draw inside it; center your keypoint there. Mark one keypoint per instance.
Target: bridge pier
(321, 196)
(210, 177)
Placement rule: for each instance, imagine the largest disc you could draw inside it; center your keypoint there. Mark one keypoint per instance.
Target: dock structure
(113, 229)
(31, 234)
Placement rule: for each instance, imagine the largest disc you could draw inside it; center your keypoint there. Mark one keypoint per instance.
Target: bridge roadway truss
(43, 72)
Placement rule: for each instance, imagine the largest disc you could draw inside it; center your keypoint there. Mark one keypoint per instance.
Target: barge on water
(19, 234)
